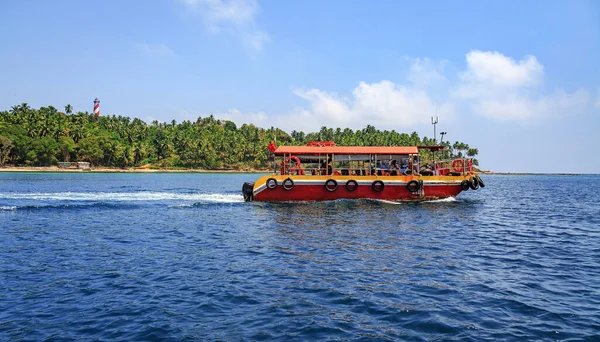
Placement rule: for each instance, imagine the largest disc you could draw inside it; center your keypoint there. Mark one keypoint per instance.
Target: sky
(519, 80)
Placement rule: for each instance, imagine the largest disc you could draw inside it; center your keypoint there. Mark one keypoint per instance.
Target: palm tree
(24, 107)
(472, 152)
(68, 109)
(78, 133)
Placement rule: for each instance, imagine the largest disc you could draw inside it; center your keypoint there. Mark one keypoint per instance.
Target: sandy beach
(119, 170)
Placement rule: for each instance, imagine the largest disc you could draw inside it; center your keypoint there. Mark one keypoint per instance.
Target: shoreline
(148, 170)
(120, 170)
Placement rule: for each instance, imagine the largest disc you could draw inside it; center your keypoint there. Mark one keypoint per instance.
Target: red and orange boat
(322, 171)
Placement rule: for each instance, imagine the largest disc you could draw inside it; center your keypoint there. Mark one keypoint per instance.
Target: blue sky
(520, 80)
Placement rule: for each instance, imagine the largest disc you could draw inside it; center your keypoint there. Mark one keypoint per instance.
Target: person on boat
(326, 168)
(403, 165)
(394, 169)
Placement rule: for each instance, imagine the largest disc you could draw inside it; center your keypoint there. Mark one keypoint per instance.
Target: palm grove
(42, 137)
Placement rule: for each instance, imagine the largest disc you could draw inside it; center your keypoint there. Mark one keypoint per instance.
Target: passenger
(394, 169)
(326, 167)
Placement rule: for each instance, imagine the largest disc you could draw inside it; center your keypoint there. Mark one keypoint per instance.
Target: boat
(322, 171)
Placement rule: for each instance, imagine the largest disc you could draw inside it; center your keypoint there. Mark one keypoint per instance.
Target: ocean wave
(8, 207)
(386, 201)
(123, 196)
(78, 206)
(443, 200)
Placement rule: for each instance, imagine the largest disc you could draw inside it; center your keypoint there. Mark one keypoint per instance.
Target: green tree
(42, 152)
(5, 146)
(206, 142)
(66, 146)
(90, 150)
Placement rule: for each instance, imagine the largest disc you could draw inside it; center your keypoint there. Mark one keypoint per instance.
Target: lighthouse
(97, 107)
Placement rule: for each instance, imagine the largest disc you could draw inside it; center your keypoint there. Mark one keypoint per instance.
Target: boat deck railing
(454, 167)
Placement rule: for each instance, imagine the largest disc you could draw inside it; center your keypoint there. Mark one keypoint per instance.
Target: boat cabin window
(348, 164)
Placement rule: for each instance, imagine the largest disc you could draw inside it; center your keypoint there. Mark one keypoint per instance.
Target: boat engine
(248, 191)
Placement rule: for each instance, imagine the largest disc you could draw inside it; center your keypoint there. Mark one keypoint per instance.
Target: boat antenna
(442, 143)
(434, 122)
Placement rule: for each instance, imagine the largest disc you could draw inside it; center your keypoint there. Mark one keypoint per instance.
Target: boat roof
(346, 150)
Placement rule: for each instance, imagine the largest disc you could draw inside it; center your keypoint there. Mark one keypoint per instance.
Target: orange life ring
(458, 165)
(297, 168)
(294, 158)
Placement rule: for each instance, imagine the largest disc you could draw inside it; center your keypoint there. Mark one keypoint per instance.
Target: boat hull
(395, 188)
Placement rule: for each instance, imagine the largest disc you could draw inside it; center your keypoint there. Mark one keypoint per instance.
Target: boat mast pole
(274, 161)
(434, 122)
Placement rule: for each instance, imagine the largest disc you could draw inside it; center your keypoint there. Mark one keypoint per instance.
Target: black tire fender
(271, 183)
(287, 184)
(474, 183)
(481, 183)
(328, 187)
(351, 185)
(465, 185)
(413, 186)
(377, 186)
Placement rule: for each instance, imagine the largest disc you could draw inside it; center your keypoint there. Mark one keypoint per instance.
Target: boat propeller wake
(140, 196)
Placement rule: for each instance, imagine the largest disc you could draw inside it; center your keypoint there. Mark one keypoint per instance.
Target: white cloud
(492, 85)
(236, 16)
(383, 104)
(500, 88)
(495, 69)
(518, 108)
(424, 72)
(259, 119)
(154, 50)
(330, 107)
(388, 103)
(597, 105)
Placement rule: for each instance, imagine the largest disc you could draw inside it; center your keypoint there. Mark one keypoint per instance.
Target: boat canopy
(390, 150)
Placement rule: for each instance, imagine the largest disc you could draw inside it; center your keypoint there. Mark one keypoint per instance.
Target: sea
(181, 257)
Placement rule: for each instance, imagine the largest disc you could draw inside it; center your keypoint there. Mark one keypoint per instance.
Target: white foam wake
(123, 196)
(7, 207)
(443, 200)
(387, 201)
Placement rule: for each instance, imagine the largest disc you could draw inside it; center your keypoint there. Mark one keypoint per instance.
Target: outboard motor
(248, 191)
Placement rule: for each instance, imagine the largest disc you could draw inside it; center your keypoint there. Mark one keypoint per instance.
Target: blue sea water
(91, 256)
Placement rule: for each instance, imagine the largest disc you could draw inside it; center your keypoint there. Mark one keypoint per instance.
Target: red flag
(272, 146)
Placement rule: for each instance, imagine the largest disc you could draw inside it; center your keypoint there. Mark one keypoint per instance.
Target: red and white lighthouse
(97, 107)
